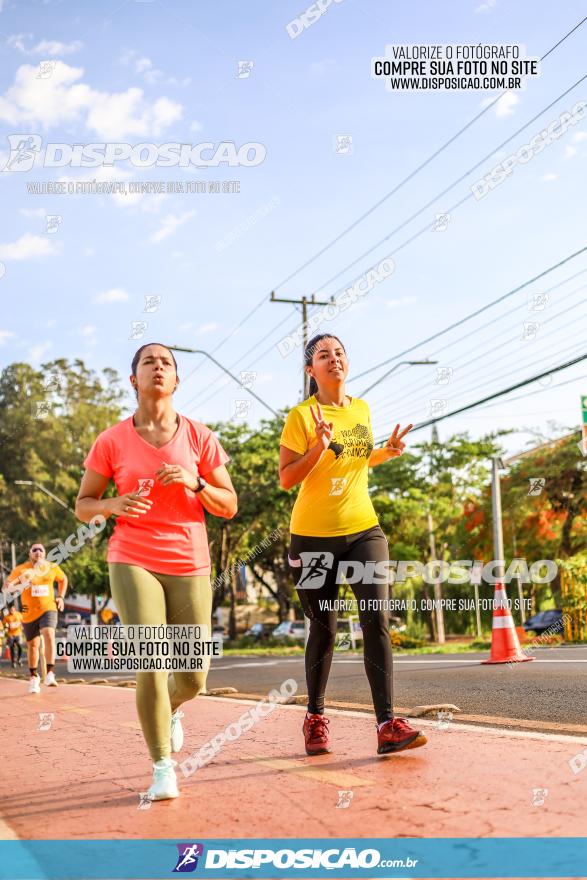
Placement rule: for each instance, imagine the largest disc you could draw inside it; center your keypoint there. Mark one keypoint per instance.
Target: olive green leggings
(146, 597)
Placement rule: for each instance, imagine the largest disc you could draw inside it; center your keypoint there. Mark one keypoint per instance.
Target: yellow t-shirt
(334, 498)
(38, 595)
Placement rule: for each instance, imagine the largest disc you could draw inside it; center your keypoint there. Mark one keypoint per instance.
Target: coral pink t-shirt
(171, 537)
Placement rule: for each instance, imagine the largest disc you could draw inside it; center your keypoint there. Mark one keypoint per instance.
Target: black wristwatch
(201, 484)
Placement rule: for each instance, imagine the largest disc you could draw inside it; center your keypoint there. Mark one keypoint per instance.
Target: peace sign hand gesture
(324, 430)
(394, 445)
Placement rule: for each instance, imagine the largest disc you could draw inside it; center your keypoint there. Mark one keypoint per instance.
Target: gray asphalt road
(553, 687)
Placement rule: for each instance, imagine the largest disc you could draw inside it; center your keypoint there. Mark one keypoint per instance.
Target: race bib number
(40, 590)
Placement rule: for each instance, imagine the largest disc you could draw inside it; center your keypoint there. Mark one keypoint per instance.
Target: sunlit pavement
(81, 777)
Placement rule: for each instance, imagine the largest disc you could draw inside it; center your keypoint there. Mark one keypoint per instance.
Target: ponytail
(313, 387)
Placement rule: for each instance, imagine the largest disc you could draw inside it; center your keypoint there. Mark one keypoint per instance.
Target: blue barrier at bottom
(388, 858)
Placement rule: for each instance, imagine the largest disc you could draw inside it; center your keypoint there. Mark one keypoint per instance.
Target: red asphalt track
(82, 777)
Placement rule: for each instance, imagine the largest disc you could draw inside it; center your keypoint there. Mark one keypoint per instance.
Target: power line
(226, 338)
(487, 324)
(475, 313)
(251, 349)
(540, 361)
(416, 170)
(304, 302)
(493, 348)
(497, 394)
(538, 391)
(444, 191)
(235, 364)
(380, 202)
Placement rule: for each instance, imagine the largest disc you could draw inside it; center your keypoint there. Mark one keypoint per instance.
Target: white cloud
(505, 105)
(570, 151)
(402, 301)
(62, 98)
(43, 47)
(144, 67)
(32, 213)
(321, 68)
(16, 41)
(147, 202)
(37, 351)
(5, 335)
(151, 203)
(549, 176)
(486, 7)
(89, 334)
(579, 136)
(207, 328)
(127, 113)
(54, 47)
(170, 223)
(195, 126)
(29, 246)
(115, 294)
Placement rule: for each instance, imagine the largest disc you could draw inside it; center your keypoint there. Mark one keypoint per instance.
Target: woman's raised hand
(324, 430)
(394, 445)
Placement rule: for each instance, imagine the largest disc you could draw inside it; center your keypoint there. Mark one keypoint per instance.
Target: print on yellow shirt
(334, 498)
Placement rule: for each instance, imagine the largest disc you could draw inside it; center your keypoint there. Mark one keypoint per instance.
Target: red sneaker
(315, 731)
(396, 735)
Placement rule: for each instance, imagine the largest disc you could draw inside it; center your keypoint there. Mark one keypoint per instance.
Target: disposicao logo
(187, 861)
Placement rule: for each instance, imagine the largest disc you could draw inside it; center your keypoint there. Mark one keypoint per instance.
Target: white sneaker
(164, 782)
(35, 684)
(50, 680)
(176, 731)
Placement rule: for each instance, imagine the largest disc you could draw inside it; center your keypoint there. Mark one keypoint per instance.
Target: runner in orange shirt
(13, 628)
(34, 581)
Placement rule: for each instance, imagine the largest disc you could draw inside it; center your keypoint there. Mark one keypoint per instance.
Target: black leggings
(313, 563)
(15, 646)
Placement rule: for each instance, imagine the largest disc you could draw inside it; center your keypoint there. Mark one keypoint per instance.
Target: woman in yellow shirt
(327, 446)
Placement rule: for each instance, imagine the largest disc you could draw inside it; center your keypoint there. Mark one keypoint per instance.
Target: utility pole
(498, 555)
(304, 302)
(437, 588)
(518, 579)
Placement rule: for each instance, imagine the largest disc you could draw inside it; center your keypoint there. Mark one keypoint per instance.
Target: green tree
(48, 420)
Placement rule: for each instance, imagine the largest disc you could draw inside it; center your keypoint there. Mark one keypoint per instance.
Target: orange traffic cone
(505, 645)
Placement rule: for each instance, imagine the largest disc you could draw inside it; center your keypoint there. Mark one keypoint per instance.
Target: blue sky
(159, 72)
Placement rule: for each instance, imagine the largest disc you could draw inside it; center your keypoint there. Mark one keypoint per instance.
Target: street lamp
(389, 372)
(46, 491)
(228, 373)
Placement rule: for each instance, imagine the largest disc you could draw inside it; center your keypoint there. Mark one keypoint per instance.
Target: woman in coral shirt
(167, 469)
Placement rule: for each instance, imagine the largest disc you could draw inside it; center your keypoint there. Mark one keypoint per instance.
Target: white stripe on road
(396, 660)
(453, 730)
